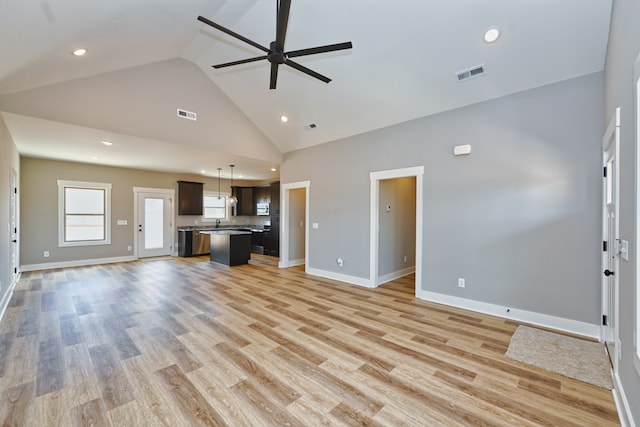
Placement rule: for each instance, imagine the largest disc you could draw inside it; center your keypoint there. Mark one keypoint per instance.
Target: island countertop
(227, 232)
(229, 247)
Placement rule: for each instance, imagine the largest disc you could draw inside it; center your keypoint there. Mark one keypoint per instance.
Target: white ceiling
(145, 59)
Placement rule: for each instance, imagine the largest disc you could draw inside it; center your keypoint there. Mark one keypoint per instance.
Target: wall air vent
(476, 71)
(187, 114)
(311, 126)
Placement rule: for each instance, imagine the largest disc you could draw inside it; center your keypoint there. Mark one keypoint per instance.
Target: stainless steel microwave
(262, 209)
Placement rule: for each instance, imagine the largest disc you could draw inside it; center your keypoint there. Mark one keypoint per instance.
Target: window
(84, 213)
(214, 208)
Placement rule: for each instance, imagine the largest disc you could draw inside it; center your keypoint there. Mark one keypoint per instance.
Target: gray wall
(9, 160)
(623, 49)
(519, 218)
(297, 222)
(397, 227)
(39, 201)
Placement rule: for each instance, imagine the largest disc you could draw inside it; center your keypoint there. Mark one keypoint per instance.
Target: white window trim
(62, 184)
(227, 207)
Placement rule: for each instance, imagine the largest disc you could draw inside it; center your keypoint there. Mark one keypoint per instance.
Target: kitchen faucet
(217, 222)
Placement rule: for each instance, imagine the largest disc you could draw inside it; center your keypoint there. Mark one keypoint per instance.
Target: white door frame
(284, 223)
(136, 220)
(14, 250)
(376, 177)
(611, 136)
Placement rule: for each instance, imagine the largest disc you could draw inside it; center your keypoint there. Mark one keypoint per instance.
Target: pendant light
(233, 200)
(219, 169)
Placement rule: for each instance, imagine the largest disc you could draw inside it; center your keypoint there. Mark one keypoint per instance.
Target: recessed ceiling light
(107, 142)
(273, 169)
(95, 158)
(284, 119)
(79, 52)
(203, 171)
(491, 35)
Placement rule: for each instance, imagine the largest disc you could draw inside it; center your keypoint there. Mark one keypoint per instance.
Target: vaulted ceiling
(146, 59)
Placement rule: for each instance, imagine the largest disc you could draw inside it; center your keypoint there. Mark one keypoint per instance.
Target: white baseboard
(354, 280)
(293, 263)
(545, 320)
(76, 263)
(7, 296)
(622, 404)
(395, 275)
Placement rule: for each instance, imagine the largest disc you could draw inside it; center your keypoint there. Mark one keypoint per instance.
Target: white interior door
(13, 220)
(154, 225)
(611, 239)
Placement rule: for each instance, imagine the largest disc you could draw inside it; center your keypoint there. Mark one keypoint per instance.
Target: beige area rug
(572, 357)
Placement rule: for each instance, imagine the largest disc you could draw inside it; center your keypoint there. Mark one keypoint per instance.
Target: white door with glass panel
(154, 226)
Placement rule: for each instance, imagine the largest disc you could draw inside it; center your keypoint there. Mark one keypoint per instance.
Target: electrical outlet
(461, 282)
(340, 262)
(46, 254)
(405, 258)
(129, 248)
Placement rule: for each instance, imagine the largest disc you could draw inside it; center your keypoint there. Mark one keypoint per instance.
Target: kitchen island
(230, 247)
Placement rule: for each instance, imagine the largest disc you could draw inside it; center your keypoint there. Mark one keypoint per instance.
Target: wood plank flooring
(184, 342)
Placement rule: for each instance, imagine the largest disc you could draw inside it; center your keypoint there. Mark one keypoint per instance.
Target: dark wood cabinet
(245, 206)
(274, 196)
(250, 197)
(261, 194)
(272, 238)
(190, 198)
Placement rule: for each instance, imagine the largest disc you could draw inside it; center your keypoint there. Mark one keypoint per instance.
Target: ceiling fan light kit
(276, 54)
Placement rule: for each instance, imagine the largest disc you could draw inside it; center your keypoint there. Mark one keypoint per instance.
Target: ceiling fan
(275, 54)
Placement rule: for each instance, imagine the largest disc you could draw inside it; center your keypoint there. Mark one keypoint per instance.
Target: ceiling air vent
(311, 126)
(187, 114)
(476, 71)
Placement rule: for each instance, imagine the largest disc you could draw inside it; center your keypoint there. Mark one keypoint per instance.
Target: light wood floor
(183, 342)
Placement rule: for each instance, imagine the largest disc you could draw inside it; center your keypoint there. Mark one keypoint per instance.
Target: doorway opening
(294, 233)
(387, 262)
(153, 213)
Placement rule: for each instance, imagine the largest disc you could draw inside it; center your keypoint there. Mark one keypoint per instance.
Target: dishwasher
(193, 243)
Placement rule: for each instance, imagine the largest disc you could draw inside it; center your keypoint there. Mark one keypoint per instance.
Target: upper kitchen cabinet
(190, 198)
(245, 206)
(274, 191)
(261, 194)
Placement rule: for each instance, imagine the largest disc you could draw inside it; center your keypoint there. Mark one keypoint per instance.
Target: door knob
(608, 273)
(14, 241)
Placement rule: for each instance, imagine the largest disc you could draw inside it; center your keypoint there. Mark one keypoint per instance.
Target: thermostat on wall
(460, 150)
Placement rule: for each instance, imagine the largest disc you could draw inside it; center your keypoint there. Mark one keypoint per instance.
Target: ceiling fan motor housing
(274, 56)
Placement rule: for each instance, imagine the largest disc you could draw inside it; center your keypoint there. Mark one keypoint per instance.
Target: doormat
(575, 358)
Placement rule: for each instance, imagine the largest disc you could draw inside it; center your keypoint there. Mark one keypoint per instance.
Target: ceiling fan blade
(274, 76)
(307, 71)
(319, 49)
(242, 61)
(232, 33)
(281, 24)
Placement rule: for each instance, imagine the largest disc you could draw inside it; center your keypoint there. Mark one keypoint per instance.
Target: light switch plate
(315, 225)
(624, 250)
